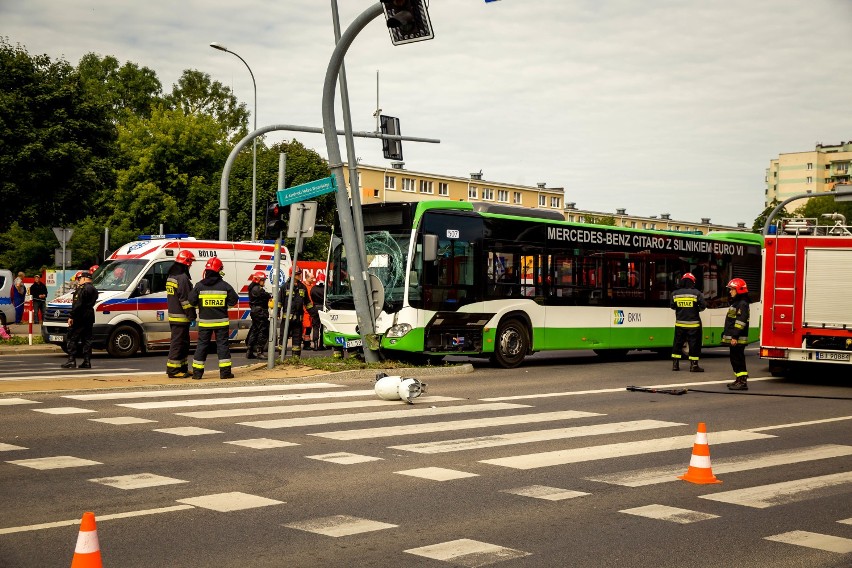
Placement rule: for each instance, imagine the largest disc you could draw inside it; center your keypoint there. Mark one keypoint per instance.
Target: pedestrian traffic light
(408, 21)
(274, 219)
(392, 149)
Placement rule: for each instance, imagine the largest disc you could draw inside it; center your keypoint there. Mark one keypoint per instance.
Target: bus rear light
(773, 353)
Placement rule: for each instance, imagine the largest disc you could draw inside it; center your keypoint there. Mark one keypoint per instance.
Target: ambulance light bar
(166, 236)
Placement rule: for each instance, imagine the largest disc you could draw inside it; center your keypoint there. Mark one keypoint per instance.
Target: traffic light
(274, 219)
(408, 21)
(392, 149)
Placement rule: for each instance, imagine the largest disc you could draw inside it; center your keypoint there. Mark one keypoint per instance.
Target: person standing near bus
(258, 335)
(736, 332)
(80, 322)
(39, 293)
(687, 302)
(213, 296)
(301, 302)
(181, 314)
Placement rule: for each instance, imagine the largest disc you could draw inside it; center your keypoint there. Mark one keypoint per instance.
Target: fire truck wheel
(124, 341)
(778, 369)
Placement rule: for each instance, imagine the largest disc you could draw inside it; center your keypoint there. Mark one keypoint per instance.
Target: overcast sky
(656, 106)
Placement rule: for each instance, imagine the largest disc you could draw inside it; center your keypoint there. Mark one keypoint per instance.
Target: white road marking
(467, 552)
(672, 514)
(54, 462)
(339, 525)
(246, 399)
(620, 389)
(846, 521)
(262, 443)
(137, 481)
(344, 458)
(642, 477)
(496, 440)
(608, 451)
(11, 401)
(187, 431)
(453, 425)
(383, 415)
(122, 420)
(437, 473)
(100, 518)
(10, 447)
(814, 540)
(63, 410)
(765, 496)
(227, 502)
(53, 376)
(544, 492)
(797, 424)
(199, 391)
(291, 408)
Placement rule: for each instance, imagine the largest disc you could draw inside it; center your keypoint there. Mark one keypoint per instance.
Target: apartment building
(814, 171)
(395, 183)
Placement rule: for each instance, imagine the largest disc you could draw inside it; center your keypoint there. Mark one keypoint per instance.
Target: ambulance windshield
(118, 275)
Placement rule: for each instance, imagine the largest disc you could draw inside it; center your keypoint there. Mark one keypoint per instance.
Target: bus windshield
(387, 257)
(118, 275)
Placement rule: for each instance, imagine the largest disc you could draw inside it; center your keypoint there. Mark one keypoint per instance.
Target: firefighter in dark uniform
(301, 302)
(80, 322)
(687, 302)
(736, 331)
(258, 335)
(213, 296)
(181, 314)
(318, 300)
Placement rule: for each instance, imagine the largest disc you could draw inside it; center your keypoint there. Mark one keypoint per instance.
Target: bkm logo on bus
(619, 317)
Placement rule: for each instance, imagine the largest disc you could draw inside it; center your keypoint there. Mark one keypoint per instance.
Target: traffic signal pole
(356, 263)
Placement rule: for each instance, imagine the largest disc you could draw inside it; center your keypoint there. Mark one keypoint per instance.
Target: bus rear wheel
(123, 342)
(511, 344)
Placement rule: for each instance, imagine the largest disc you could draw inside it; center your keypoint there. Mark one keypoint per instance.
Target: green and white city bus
(484, 279)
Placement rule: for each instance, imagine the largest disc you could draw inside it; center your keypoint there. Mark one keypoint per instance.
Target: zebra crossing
(445, 414)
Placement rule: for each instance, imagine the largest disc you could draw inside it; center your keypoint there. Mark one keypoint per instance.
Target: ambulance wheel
(511, 344)
(124, 341)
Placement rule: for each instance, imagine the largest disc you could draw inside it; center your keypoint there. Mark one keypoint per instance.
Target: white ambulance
(131, 313)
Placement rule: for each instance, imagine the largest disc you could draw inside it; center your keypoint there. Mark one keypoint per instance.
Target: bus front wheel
(511, 344)
(124, 341)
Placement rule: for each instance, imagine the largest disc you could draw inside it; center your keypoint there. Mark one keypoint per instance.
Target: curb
(416, 372)
(29, 350)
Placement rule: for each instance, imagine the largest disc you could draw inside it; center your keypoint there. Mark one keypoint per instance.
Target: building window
(632, 224)
(810, 165)
(542, 200)
(443, 189)
(407, 184)
(425, 186)
(390, 183)
(375, 193)
(502, 196)
(487, 194)
(571, 218)
(809, 179)
(516, 199)
(828, 166)
(472, 192)
(554, 202)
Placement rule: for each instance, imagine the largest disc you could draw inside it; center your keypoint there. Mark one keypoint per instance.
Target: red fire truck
(807, 308)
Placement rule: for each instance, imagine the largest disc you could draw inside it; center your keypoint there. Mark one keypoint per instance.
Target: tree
(128, 90)
(27, 249)
(608, 220)
(196, 94)
(760, 221)
(824, 204)
(57, 141)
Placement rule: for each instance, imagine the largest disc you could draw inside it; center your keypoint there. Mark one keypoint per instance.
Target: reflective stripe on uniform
(173, 363)
(688, 324)
(198, 365)
(224, 363)
(213, 323)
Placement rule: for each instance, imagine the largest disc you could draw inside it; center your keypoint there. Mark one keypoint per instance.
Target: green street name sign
(306, 191)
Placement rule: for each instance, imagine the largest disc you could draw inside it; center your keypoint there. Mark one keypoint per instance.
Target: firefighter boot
(694, 368)
(71, 363)
(197, 374)
(739, 384)
(87, 363)
(675, 364)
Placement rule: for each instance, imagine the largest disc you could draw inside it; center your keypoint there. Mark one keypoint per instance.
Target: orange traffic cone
(699, 465)
(87, 554)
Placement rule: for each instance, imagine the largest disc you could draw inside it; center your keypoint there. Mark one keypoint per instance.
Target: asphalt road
(551, 464)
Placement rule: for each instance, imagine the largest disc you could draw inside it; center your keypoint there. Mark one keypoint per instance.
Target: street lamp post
(220, 47)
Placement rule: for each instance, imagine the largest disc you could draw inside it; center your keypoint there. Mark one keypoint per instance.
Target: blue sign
(306, 191)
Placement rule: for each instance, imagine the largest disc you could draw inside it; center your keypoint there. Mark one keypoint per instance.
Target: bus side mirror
(430, 248)
(144, 287)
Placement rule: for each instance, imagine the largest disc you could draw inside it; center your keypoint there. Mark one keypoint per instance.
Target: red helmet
(739, 285)
(690, 276)
(185, 257)
(258, 277)
(214, 264)
(77, 275)
(93, 268)
(320, 277)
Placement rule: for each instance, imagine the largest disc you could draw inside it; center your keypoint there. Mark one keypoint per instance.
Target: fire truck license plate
(832, 356)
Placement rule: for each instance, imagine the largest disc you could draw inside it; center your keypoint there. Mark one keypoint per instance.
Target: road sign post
(63, 235)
